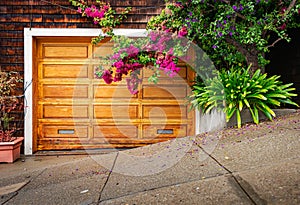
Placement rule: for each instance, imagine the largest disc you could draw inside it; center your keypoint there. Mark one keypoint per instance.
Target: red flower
(283, 9)
(283, 26)
(183, 32)
(107, 77)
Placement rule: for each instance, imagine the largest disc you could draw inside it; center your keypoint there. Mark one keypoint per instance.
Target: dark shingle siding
(18, 14)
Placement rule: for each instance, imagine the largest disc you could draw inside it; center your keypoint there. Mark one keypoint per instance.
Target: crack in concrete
(17, 191)
(169, 185)
(11, 197)
(108, 176)
(249, 189)
(244, 186)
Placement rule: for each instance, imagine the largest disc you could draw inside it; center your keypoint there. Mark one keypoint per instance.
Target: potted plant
(10, 105)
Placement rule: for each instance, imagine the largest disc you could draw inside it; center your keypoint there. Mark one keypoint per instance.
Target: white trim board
(29, 34)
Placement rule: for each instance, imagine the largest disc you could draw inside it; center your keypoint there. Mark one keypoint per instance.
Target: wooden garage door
(75, 110)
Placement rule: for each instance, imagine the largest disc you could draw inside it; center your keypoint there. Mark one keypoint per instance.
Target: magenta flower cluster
(182, 32)
(96, 13)
(158, 48)
(107, 76)
(133, 83)
(166, 63)
(161, 44)
(123, 67)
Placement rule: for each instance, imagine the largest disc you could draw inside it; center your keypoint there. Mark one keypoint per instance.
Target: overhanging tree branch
(292, 4)
(273, 44)
(251, 56)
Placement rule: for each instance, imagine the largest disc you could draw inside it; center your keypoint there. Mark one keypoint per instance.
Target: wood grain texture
(76, 110)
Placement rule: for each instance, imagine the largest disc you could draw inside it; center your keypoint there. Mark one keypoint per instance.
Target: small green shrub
(234, 90)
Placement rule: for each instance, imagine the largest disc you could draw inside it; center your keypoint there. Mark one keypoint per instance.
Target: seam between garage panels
(108, 177)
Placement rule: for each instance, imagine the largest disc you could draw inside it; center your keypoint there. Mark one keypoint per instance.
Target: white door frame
(29, 34)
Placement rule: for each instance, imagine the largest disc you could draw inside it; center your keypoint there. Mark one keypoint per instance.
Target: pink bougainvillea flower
(107, 77)
(161, 47)
(101, 14)
(132, 51)
(182, 32)
(137, 66)
(133, 83)
(106, 7)
(88, 12)
(93, 7)
(283, 26)
(283, 9)
(116, 56)
(153, 36)
(119, 64)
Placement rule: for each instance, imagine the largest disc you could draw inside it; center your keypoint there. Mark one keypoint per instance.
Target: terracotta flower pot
(10, 151)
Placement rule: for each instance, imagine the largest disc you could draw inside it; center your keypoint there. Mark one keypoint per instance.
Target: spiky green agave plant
(234, 90)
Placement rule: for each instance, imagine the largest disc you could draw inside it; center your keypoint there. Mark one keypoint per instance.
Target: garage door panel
(68, 144)
(76, 110)
(67, 111)
(64, 71)
(58, 144)
(65, 91)
(164, 131)
(164, 112)
(164, 92)
(58, 131)
(102, 50)
(112, 92)
(65, 51)
(115, 111)
(115, 131)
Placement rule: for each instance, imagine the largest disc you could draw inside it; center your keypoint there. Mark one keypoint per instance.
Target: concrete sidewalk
(258, 164)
